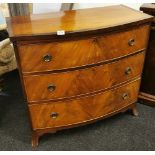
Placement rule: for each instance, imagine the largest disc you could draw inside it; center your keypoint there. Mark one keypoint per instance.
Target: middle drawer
(73, 83)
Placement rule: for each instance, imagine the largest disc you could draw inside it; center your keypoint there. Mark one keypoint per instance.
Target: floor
(120, 132)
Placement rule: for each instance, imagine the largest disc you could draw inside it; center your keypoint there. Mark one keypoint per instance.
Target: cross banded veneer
(91, 72)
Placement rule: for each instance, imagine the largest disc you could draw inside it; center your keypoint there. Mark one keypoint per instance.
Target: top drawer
(69, 54)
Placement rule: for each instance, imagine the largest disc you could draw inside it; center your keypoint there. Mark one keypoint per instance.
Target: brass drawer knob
(131, 42)
(128, 71)
(47, 58)
(95, 39)
(125, 96)
(51, 87)
(54, 115)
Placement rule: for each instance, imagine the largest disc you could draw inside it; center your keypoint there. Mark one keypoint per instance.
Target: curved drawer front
(58, 114)
(70, 54)
(73, 83)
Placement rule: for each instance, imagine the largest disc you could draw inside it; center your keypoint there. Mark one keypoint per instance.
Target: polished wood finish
(147, 90)
(97, 49)
(74, 21)
(39, 132)
(146, 98)
(148, 8)
(90, 73)
(83, 109)
(79, 82)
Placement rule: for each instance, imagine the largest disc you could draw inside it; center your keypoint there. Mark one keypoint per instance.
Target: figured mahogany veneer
(83, 109)
(78, 82)
(97, 49)
(91, 72)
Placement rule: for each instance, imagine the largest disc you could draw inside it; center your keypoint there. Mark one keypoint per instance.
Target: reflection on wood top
(73, 21)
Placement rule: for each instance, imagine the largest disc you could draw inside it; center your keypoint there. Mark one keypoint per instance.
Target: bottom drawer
(69, 112)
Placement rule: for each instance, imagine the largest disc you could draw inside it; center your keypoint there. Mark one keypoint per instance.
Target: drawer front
(73, 83)
(58, 114)
(70, 54)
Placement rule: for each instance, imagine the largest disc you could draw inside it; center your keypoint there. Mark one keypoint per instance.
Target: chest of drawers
(147, 89)
(90, 72)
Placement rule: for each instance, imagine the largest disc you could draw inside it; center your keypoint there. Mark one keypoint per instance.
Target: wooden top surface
(73, 21)
(150, 7)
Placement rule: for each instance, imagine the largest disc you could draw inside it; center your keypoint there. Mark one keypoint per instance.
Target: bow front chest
(79, 66)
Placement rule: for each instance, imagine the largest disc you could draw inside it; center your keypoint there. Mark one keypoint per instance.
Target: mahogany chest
(147, 90)
(79, 66)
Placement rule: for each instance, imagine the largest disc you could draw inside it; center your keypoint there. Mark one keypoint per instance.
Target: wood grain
(74, 21)
(71, 54)
(88, 65)
(73, 83)
(83, 109)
